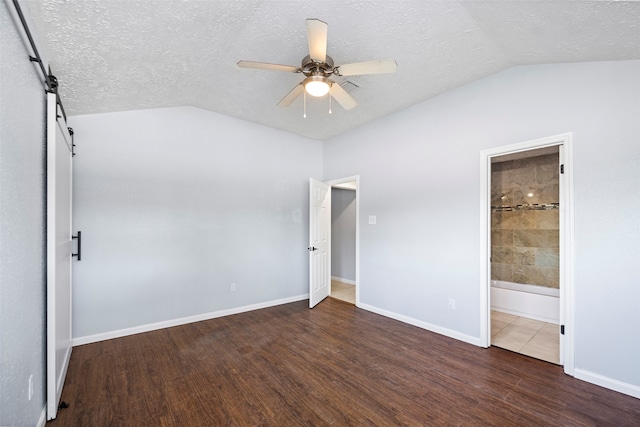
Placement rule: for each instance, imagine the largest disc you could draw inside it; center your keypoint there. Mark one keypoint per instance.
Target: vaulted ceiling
(116, 55)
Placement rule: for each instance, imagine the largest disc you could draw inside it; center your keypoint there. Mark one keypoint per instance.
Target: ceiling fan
(318, 67)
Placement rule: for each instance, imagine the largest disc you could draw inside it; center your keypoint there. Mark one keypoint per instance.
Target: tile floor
(343, 291)
(526, 336)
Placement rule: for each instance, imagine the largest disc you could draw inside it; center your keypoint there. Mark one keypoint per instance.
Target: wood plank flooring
(333, 365)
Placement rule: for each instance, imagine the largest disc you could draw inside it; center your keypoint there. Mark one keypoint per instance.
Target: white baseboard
(182, 321)
(424, 325)
(590, 377)
(606, 382)
(345, 281)
(43, 417)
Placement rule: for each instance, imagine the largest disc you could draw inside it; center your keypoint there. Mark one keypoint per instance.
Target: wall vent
(349, 86)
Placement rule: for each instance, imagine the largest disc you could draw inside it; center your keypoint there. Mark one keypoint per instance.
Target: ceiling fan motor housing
(310, 67)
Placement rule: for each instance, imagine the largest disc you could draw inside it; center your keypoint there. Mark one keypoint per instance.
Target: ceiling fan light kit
(318, 67)
(317, 85)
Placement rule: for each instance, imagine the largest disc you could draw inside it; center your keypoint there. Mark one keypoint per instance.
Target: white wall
(22, 231)
(425, 246)
(176, 204)
(343, 234)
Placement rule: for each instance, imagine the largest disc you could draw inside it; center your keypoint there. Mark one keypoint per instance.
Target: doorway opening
(344, 238)
(524, 255)
(527, 245)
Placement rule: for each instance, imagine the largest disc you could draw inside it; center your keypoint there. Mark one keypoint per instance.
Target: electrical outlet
(232, 288)
(30, 386)
(452, 304)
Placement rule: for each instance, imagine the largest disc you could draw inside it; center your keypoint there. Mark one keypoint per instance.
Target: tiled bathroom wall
(525, 221)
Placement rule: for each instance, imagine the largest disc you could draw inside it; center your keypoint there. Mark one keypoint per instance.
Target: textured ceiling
(116, 55)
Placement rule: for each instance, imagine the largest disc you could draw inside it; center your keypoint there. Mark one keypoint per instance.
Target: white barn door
(319, 241)
(59, 248)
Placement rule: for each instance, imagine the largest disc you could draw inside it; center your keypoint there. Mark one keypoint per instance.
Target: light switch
(372, 219)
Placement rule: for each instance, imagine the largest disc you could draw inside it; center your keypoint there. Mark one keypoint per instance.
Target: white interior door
(319, 241)
(59, 248)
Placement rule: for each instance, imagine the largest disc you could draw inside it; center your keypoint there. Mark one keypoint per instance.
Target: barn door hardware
(79, 237)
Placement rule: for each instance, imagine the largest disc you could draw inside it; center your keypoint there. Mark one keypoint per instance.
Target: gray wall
(343, 234)
(22, 225)
(177, 204)
(427, 238)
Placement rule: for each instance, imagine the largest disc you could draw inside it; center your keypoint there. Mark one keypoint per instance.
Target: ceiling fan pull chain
(329, 101)
(304, 115)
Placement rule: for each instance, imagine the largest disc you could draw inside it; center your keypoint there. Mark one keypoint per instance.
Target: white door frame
(335, 182)
(567, 292)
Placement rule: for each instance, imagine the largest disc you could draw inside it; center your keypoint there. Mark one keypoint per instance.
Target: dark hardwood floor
(333, 365)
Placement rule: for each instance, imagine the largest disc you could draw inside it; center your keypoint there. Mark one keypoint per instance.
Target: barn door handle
(311, 249)
(79, 237)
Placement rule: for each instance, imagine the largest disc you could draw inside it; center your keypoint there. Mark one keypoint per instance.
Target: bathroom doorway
(344, 238)
(528, 238)
(525, 252)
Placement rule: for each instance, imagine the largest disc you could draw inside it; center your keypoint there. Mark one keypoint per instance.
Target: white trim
(565, 142)
(606, 382)
(527, 315)
(345, 281)
(485, 242)
(355, 178)
(424, 325)
(182, 321)
(43, 417)
(567, 285)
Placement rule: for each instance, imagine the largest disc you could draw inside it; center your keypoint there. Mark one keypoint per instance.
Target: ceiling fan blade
(343, 98)
(293, 94)
(267, 66)
(367, 67)
(317, 34)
